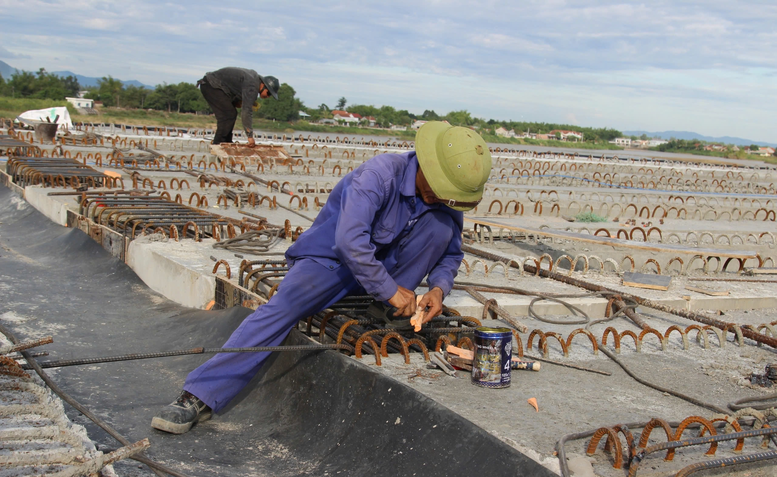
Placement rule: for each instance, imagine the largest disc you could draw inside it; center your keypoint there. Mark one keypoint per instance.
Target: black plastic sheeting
(315, 413)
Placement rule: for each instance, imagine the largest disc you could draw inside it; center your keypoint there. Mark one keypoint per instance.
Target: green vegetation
(589, 217)
(182, 104)
(12, 107)
(493, 138)
(40, 85)
(704, 148)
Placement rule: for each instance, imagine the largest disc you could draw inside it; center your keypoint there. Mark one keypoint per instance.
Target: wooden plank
(707, 291)
(633, 244)
(646, 280)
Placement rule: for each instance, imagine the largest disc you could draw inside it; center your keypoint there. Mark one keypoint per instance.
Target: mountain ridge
(7, 71)
(689, 135)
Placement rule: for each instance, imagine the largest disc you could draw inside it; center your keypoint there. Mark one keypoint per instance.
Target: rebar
(165, 354)
(758, 337)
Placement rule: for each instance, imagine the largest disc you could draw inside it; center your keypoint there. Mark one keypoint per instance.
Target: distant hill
(85, 81)
(6, 70)
(687, 135)
(91, 81)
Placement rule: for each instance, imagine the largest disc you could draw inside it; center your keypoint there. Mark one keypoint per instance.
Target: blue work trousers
(308, 288)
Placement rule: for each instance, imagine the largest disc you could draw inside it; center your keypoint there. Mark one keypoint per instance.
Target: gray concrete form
(536, 438)
(514, 149)
(618, 261)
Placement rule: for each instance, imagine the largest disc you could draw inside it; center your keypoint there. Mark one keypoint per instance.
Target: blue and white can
(493, 357)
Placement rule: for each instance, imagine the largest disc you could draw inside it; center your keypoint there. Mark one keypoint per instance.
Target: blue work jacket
(368, 210)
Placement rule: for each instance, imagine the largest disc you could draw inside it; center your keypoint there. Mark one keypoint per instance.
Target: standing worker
(230, 88)
(388, 224)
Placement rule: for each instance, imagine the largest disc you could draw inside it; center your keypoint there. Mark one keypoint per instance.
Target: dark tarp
(306, 414)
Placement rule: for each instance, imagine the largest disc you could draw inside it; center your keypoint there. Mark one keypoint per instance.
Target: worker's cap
(455, 161)
(272, 85)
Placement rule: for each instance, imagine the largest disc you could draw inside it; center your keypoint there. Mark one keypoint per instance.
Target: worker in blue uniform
(386, 226)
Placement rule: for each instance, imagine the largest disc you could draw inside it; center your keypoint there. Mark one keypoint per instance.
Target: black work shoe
(179, 416)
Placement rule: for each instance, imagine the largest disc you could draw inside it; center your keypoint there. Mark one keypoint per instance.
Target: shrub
(589, 217)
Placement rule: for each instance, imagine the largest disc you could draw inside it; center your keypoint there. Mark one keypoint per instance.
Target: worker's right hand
(404, 301)
(251, 142)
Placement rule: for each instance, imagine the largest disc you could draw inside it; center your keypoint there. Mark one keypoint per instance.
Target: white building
(623, 141)
(81, 103)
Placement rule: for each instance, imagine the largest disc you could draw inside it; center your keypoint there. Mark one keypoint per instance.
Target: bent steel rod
(726, 462)
(501, 312)
(758, 337)
(183, 352)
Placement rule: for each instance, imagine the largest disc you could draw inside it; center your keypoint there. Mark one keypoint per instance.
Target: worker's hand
(432, 303)
(404, 301)
(251, 142)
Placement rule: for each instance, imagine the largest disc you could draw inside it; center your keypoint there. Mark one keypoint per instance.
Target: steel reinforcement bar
(707, 320)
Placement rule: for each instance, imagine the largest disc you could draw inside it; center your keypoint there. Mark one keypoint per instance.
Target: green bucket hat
(455, 161)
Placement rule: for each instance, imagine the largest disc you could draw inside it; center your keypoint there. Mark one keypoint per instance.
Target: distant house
(764, 151)
(500, 131)
(345, 116)
(418, 123)
(623, 141)
(398, 127)
(81, 103)
(656, 142)
(303, 115)
(566, 135)
(370, 121)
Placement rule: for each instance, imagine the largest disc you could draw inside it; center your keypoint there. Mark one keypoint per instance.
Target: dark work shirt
(370, 208)
(239, 84)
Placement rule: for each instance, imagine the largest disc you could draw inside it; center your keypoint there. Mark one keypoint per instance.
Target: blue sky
(703, 66)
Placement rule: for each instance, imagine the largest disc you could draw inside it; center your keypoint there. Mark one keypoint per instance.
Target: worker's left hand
(432, 303)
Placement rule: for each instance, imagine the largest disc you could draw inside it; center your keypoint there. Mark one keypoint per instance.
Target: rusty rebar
(707, 320)
(183, 352)
(500, 312)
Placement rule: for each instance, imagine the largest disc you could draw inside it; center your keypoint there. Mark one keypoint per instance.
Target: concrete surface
(570, 400)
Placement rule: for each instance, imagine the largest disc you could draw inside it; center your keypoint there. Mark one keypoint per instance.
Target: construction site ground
(59, 282)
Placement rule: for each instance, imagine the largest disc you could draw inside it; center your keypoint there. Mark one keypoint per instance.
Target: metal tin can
(493, 357)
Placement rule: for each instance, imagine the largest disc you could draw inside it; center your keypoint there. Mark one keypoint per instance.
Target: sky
(703, 66)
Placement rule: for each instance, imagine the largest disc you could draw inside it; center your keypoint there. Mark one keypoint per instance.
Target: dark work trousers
(225, 112)
(308, 288)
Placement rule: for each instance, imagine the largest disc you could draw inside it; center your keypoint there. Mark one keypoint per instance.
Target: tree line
(185, 98)
(385, 116)
(40, 85)
(111, 92)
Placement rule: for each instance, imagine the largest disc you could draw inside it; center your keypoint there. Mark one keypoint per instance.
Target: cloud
(4, 53)
(705, 64)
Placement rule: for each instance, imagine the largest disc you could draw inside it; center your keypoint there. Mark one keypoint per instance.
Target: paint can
(493, 357)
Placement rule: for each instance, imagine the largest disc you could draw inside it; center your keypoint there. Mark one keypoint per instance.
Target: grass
(589, 217)
(550, 143)
(12, 107)
(741, 154)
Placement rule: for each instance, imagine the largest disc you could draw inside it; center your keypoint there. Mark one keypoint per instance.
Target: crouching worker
(386, 226)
